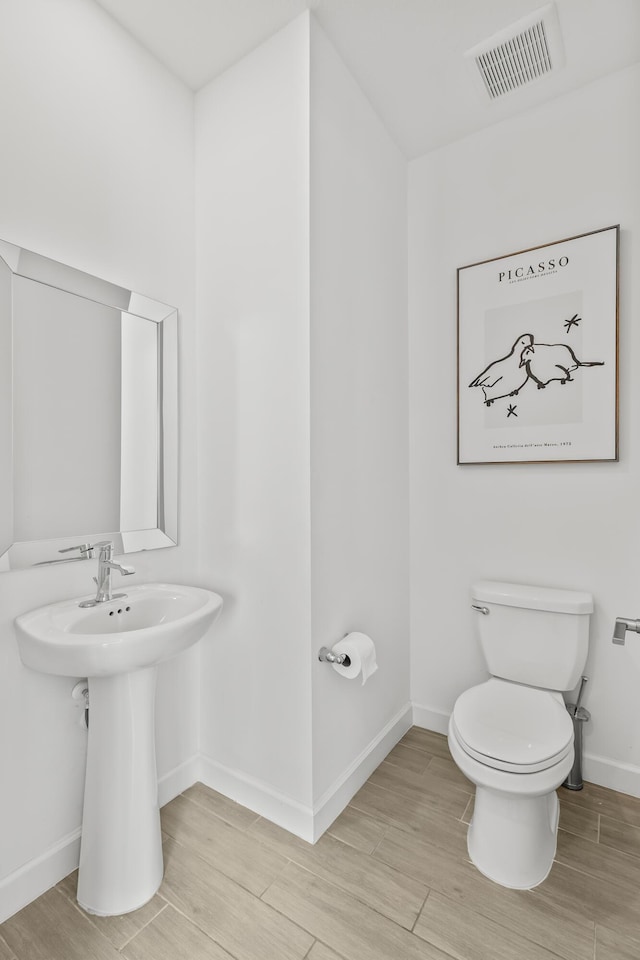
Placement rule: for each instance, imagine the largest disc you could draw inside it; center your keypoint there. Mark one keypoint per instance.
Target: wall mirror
(88, 414)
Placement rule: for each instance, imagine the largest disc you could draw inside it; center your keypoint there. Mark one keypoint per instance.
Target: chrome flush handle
(484, 610)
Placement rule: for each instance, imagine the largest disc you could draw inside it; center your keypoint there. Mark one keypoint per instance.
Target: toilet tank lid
(532, 598)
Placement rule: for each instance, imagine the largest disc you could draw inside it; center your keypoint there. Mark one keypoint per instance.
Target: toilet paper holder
(327, 655)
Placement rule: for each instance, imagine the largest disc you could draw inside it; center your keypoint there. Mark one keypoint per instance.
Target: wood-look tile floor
(389, 881)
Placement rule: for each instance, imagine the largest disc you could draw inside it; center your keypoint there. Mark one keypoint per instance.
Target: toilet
(512, 735)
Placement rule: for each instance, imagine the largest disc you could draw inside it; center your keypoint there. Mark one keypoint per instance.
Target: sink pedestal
(118, 647)
(121, 849)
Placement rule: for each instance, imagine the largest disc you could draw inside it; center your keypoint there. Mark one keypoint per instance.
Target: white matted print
(538, 353)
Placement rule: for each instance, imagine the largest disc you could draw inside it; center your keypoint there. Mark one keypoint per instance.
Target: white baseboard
(303, 821)
(38, 875)
(178, 780)
(615, 775)
(430, 719)
(335, 799)
(258, 796)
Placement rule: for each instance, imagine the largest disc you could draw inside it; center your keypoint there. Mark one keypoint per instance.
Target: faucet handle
(86, 549)
(105, 548)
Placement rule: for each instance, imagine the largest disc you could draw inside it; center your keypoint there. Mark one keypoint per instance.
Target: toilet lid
(507, 725)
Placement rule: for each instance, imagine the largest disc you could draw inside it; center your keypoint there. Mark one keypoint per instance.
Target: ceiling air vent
(521, 53)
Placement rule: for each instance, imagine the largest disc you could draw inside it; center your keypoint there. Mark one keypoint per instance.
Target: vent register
(523, 52)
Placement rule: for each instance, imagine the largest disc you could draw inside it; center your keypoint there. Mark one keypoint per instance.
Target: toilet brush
(580, 692)
(579, 716)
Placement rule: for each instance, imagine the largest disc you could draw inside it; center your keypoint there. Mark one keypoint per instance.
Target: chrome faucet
(103, 581)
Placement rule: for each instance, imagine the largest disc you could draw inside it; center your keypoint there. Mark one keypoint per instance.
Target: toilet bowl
(511, 735)
(515, 743)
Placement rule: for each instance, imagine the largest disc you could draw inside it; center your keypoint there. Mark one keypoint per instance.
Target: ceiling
(407, 55)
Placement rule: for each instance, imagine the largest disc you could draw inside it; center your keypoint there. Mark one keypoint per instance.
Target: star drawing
(511, 412)
(575, 320)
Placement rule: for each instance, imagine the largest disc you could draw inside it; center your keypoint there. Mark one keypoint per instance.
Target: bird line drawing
(542, 363)
(545, 362)
(505, 377)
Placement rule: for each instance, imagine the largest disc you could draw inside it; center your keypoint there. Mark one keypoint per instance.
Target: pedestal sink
(117, 645)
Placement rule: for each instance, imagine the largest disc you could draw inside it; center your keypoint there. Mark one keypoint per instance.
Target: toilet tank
(533, 635)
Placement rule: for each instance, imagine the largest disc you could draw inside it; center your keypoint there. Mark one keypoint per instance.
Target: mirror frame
(33, 266)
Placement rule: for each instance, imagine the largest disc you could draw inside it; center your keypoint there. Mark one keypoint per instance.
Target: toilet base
(512, 838)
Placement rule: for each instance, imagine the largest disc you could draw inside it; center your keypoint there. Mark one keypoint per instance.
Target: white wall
(566, 168)
(304, 463)
(359, 413)
(6, 412)
(96, 170)
(252, 142)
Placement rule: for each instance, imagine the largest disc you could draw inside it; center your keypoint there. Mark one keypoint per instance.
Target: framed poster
(538, 353)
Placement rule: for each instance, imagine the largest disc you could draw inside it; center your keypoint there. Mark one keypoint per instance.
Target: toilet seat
(512, 727)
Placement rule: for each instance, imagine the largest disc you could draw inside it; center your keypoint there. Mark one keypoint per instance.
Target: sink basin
(117, 645)
(153, 622)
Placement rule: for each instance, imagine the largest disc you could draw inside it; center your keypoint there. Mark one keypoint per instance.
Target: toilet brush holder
(579, 716)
